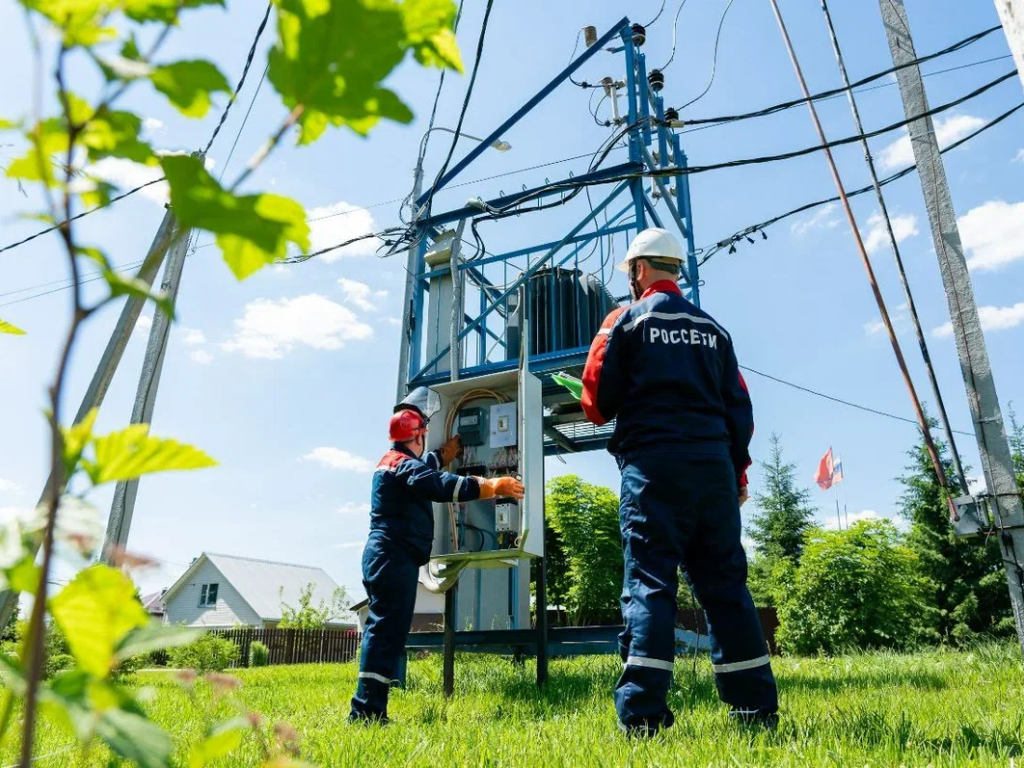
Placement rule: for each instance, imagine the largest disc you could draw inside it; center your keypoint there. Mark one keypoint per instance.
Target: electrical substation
(485, 332)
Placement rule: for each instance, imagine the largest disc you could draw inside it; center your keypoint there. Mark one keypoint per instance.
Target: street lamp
(417, 179)
(411, 258)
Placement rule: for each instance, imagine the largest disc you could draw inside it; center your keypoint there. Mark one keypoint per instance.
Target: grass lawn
(934, 708)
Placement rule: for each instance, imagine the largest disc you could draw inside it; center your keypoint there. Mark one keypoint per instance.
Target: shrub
(259, 655)
(209, 653)
(858, 588)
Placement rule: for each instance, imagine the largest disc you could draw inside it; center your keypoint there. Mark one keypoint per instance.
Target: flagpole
(846, 511)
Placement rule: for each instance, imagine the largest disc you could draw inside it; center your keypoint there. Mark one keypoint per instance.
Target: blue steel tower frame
(653, 148)
(652, 143)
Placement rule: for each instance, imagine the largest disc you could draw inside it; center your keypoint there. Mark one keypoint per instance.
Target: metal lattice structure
(485, 337)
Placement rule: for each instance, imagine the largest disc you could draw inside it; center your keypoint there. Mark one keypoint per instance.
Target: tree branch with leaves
(327, 64)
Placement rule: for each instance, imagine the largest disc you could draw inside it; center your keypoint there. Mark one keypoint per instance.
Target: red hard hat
(406, 425)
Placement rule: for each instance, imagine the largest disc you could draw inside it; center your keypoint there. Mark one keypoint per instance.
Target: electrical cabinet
(499, 418)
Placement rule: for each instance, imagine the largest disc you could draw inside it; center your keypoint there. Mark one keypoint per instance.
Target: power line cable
(702, 124)
(661, 10)
(905, 282)
(241, 80)
(839, 400)
(245, 120)
(675, 33)
(714, 60)
(970, 40)
(465, 102)
(129, 193)
(711, 251)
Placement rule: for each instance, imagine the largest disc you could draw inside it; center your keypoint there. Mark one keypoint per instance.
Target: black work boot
(644, 730)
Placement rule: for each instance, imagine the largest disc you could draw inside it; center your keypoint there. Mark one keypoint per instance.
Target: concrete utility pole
(111, 358)
(1007, 509)
(1011, 14)
(123, 505)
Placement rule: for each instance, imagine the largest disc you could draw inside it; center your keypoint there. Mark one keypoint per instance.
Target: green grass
(934, 708)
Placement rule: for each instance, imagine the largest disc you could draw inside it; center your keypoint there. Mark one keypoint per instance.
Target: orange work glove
(500, 488)
(451, 449)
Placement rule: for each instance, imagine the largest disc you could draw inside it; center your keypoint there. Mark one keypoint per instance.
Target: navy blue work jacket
(403, 491)
(667, 372)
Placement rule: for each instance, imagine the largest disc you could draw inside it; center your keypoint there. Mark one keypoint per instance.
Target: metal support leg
(542, 624)
(110, 359)
(125, 493)
(449, 641)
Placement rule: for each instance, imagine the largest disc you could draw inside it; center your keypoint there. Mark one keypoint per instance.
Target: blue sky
(287, 379)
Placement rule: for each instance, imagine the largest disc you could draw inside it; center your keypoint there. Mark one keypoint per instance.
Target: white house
(223, 591)
(428, 615)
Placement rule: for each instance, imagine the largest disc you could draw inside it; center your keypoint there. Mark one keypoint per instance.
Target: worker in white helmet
(667, 372)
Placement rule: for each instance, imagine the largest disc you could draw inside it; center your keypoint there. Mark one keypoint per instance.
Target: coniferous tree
(967, 574)
(785, 514)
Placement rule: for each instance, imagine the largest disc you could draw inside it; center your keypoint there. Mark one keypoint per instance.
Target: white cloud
(128, 175)
(153, 125)
(874, 327)
(393, 320)
(9, 486)
(360, 294)
(902, 227)
(1019, 157)
(993, 234)
(192, 337)
(201, 356)
(992, 319)
(900, 154)
(143, 325)
(821, 218)
(330, 225)
(353, 508)
(270, 329)
(351, 545)
(336, 458)
(976, 485)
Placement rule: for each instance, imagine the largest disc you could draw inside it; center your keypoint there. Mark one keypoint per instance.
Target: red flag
(825, 471)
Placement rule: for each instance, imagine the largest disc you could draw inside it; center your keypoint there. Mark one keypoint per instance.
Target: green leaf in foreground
(14, 330)
(132, 452)
(95, 611)
(252, 230)
(332, 57)
(188, 85)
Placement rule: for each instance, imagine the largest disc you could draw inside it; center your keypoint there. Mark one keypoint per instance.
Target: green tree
(966, 574)
(1017, 447)
(858, 588)
(778, 528)
(585, 518)
(309, 616)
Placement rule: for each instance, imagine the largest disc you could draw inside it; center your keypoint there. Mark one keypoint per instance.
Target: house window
(208, 595)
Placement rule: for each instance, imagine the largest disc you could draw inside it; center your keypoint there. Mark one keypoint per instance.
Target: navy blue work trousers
(389, 576)
(679, 511)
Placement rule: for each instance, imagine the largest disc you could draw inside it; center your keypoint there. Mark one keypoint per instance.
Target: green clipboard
(571, 383)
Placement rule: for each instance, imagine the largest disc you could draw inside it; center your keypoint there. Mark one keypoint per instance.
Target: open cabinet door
(531, 463)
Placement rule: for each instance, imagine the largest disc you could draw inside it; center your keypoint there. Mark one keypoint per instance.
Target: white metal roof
(263, 584)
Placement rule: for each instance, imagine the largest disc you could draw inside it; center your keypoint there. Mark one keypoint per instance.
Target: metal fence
(295, 646)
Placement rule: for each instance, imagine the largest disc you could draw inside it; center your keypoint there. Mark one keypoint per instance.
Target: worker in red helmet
(667, 372)
(405, 486)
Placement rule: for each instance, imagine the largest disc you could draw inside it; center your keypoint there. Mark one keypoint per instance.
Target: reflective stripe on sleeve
(738, 666)
(375, 676)
(458, 487)
(644, 661)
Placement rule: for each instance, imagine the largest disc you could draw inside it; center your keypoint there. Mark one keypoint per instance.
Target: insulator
(671, 113)
(639, 35)
(656, 79)
(608, 83)
(589, 35)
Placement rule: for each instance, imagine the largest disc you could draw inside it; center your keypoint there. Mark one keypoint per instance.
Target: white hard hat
(656, 243)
